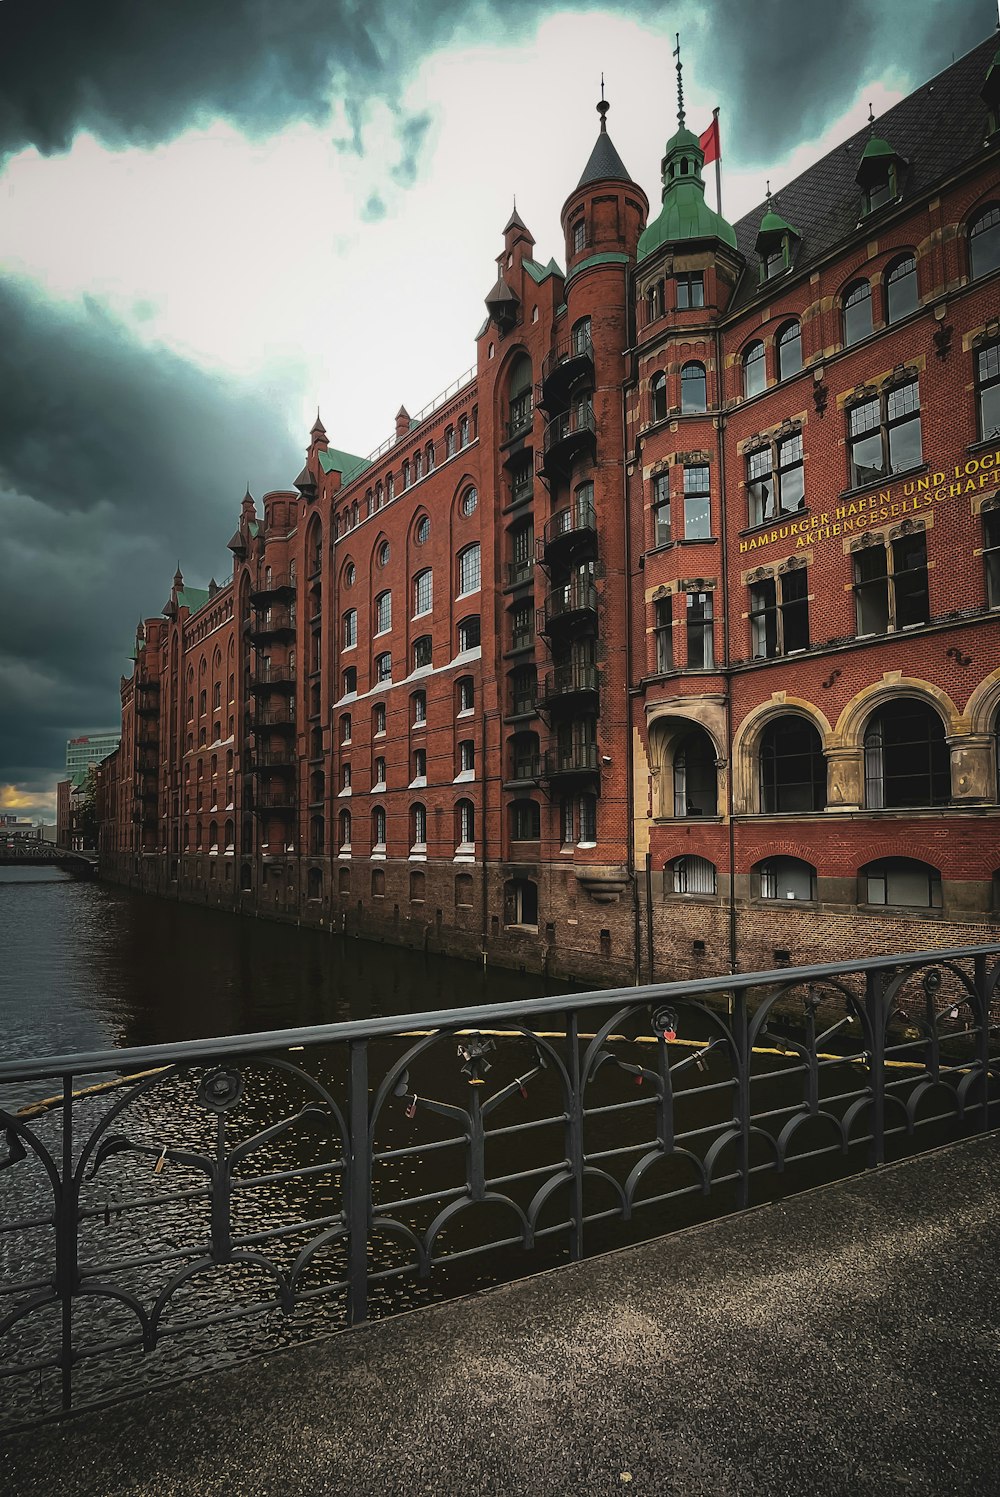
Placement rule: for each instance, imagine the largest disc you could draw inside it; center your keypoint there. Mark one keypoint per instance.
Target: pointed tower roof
(604, 164)
(318, 429)
(515, 221)
(685, 214)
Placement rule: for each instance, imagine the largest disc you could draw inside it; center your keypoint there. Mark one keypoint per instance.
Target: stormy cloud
(140, 71)
(115, 460)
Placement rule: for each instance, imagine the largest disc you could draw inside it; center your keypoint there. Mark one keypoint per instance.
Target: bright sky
(257, 258)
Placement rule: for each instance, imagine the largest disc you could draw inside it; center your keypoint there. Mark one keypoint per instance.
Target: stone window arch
(906, 756)
(791, 765)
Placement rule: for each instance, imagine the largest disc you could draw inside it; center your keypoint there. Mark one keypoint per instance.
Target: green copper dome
(685, 214)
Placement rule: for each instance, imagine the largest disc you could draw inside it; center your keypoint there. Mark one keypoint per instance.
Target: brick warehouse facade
(653, 675)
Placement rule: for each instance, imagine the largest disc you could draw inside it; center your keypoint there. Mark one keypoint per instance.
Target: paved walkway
(841, 1342)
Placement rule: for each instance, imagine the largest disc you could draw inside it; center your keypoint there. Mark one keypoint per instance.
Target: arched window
(906, 757)
(785, 878)
(581, 336)
(463, 431)
(213, 836)
(465, 825)
(692, 875)
(901, 881)
(695, 792)
(469, 504)
(469, 575)
(314, 884)
(418, 465)
(469, 634)
(378, 829)
(901, 289)
(344, 883)
(789, 350)
(792, 767)
(418, 826)
(423, 591)
(658, 396)
(524, 756)
(344, 827)
(418, 883)
(406, 473)
(754, 369)
(694, 388)
(465, 694)
(525, 821)
(422, 531)
(430, 457)
(378, 883)
(449, 441)
(418, 709)
(423, 652)
(857, 312)
(317, 835)
(463, 891)
(984, 242)
(246, 876)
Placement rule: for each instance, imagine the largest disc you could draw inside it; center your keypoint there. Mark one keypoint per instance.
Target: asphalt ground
(843, 1341)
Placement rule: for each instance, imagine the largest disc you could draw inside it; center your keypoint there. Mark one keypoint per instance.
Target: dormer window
(690, 289)
(878, 174)
(776, 244)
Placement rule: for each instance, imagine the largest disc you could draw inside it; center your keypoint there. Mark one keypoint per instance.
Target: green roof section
(685, 215)
(877, 148)
(332, 461)
(610, 257)
(540, 273)
(254, 529)
(192, 598)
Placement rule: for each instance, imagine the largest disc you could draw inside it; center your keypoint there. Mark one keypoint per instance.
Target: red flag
(709, 142)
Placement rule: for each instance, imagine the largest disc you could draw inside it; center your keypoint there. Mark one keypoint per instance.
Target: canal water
(84, 966)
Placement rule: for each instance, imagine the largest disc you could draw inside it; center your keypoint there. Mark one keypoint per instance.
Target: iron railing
(174, 1206)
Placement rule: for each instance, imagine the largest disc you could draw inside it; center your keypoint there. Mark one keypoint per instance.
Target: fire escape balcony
(277, 713)
(573, 761)
(575, 684)
(572, 606)
(272, 623)
(266, 678)
(567, 366)
(566, 437)
(147, 698)
(278, 585)
(267, 760)
(525, 769)
(570, 532)
(278, 802)
(147, 758)
(521, 572)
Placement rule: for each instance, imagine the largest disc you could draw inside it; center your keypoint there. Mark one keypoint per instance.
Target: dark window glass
(760, 486)
(991, 560)
(779, 614)
(700, 651)
(909, 577)
(791, 475)
(754, 369)
(984, 242)
(664, 635)
(792, 767)
(661, 509)
(695, 782)
(871, 590)
(789, 350)
(694, 388)
(906, 758)
(857, 312)
(786, 878)
(901, 289)
(658, 396)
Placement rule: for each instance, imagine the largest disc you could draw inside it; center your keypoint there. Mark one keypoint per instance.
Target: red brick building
(666, 640)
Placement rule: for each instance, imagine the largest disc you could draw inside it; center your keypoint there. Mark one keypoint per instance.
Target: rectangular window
(884, 435)
(697, 503)
(791, 479)
(419, 766)
(871, 590)
(903, 426)
(690, 289)
(350, 628)
(779, 614)
(664, 636)
(521, 483)
(383, 668)
(522, 627)
(469, 635)
(661, 509)
(378, 775)
(588, 818)
(378, 719)
(423, 592)
(466, 694)
(567, 822)
(760, 486)
(419, 709)
(909, 576)
(988, 392)
(350, 680)
(422, 652)
(700, 650)
(991, 556)
(383, 613)
(579, 236)
(466, 756)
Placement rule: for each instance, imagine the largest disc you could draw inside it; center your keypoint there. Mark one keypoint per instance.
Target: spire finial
(768, 194)
(603, 108)
(680, 83)
(871, 119)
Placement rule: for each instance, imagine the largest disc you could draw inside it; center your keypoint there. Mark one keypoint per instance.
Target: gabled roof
(935, 129)
(540, 273)
(605, 164)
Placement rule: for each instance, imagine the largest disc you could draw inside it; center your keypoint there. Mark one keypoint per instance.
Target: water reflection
(85, 965)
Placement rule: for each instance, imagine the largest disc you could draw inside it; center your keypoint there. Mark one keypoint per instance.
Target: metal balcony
(520, 572)
(567, 366)
(571, 684)
(566, 438)
(575, 760)
(272, 623)
(276, 714)
(525, 769)
(275, 801)
(147, 698)
(570, 531)
(266, 760)
(280, 584)
(573, 604)
(272, 678)
(521, 416)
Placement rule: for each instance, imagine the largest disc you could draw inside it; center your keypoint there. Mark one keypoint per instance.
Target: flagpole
(718, 164)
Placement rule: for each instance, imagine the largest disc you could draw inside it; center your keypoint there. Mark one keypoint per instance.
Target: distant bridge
(17, 852)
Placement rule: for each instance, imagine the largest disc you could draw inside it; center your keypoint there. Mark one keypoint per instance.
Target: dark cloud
(142, 70)
(115, 460)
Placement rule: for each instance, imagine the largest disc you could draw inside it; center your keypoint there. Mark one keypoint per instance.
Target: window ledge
(464, 776)
(699, 540)
(342, 793)
(920, 911)
(418, 853)
(781, 518)
(419, 783)
(344, 853)
(888, 478)
(987, 444)
(466, 712)
(379, 787)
